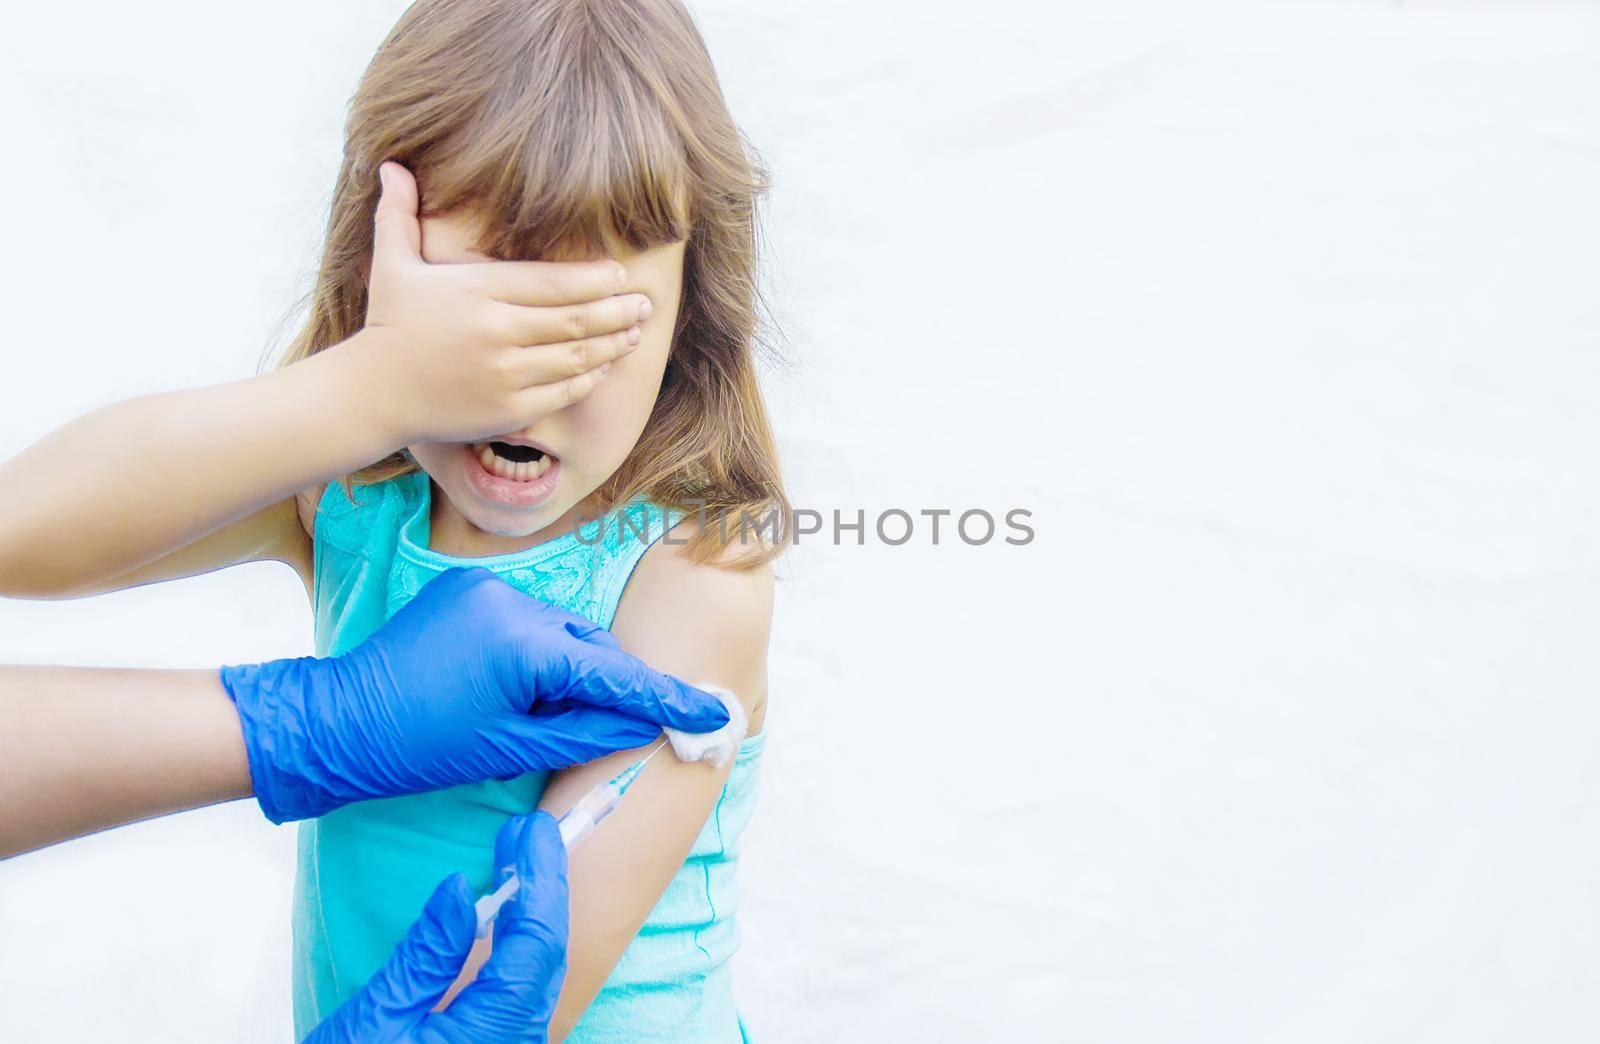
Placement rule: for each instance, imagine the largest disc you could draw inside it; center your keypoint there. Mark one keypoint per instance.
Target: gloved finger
(594, 635)
(425, 963)
(540, 906)
(449, 587)
(622, 682)
(521, 981)
(536, 743)
(508, 843)
(459, 578)
(530, 935)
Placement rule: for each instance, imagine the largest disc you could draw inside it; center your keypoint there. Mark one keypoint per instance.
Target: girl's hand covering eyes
(458, 352)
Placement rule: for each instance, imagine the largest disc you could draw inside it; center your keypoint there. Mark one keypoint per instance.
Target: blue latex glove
(470, 680)
(515, 992)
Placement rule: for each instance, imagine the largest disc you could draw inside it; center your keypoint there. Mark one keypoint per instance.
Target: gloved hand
(441, 695)
(514, 994)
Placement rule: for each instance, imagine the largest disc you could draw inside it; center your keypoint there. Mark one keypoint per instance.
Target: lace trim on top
(582, 571)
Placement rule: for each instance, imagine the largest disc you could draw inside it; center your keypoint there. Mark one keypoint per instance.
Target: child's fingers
(542, 399)
(547, 283)
(541, 326)
(396, 235)
(557, 362)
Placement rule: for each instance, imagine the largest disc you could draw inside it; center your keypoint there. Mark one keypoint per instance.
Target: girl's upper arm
(620, 872)
(279, 532)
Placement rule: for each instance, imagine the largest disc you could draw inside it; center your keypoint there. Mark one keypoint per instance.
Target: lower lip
(509, 492)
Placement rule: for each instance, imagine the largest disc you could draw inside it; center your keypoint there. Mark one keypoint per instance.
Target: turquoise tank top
(365, 871)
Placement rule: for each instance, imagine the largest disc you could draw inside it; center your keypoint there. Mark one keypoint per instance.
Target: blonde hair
(559, 122)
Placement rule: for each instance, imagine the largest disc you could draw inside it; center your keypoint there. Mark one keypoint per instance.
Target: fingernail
(644, 309)
(633, 335)
(622, 275)
(605, 368)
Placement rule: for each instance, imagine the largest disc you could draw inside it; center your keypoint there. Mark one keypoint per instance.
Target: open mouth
(511, 462)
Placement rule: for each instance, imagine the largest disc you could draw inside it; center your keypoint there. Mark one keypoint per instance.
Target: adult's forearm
(83, 749)
(125, 485)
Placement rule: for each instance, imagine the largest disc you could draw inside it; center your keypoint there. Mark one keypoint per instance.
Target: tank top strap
(354, 549)
(366, 519)
(633, 528)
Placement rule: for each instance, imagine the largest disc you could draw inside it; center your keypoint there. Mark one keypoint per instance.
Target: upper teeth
(497, 465)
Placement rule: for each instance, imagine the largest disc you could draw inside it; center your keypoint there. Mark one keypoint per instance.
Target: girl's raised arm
(449, 352)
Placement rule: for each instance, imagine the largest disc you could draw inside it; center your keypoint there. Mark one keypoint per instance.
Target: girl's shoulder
(722, 585)
(703, 621)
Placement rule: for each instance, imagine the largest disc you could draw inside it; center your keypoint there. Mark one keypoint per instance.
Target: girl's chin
(500, 520)
(502, 524)
(509, 531)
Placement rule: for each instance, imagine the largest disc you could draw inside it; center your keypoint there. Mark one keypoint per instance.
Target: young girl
(550, 130)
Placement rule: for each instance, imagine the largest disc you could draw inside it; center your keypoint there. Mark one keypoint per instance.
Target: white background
(1280, 317)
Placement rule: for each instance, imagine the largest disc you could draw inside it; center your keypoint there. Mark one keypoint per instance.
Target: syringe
(576, 825)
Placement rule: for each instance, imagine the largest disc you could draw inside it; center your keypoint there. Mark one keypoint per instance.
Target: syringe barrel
(587, 814)
(576, 825)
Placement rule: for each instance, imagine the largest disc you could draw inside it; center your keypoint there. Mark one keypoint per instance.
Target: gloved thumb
(423, 966)
(521, 982)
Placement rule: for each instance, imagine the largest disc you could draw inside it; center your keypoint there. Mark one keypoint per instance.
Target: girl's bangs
(590, 169)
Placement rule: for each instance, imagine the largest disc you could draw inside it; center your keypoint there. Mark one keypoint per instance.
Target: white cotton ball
(717, 747)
